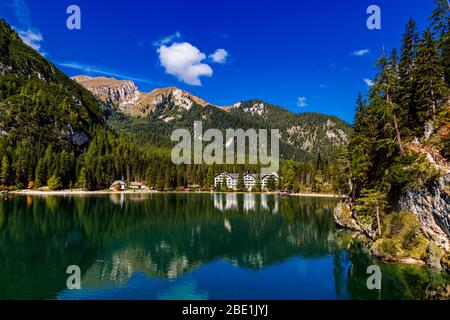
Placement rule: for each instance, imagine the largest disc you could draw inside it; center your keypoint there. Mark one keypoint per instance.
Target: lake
(190, 246)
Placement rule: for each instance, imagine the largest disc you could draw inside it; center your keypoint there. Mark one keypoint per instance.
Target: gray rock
(431, 205)
(343, 217)
(79, 138)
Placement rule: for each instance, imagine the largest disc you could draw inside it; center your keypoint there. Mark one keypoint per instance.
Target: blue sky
(307, 56)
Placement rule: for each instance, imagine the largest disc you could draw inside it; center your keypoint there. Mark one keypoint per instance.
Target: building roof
(236, 175)
(231, 175)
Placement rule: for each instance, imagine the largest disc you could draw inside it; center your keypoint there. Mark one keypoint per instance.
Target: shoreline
(108, 192)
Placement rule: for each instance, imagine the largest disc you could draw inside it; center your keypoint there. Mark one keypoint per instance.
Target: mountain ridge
(164, 109)
(85, 80)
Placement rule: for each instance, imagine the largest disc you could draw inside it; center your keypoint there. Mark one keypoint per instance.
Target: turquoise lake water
(190, 246)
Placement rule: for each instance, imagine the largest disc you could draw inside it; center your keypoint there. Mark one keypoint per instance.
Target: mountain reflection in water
(187, 246)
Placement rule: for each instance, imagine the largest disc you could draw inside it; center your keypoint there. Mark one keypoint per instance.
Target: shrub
(54, 183)
(411, 238)
(403, 231)
(389, 247)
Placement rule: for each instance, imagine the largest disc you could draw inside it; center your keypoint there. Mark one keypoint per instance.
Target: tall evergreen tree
(5, 172)
(385, 95)
(358, 144)
(430, 86)
(441, 26)
(406, 73)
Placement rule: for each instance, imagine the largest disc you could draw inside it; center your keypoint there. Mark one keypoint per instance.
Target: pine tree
(54, 183)
(392, 89)
(441, 26)
(5, 172)
(359, 120)
(210, 177)
(406, 73)
(20, 172)
(240, 183)
(430, 85)
(257, 183)
(385, 95)
(159, 184)
(297, 186)
(289, 172)
(40, 173)
(271, 185)
(371, 206)
(359, 144)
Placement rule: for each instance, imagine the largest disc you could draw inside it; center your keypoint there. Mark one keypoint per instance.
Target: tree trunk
(397, 130)
(433, 105)
(399, 137)
(378, 220)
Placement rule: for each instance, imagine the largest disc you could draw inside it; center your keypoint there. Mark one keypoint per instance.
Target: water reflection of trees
(398, 281)
(163, 235)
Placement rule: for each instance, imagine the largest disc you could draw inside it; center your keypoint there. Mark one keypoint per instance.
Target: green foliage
(4, 172)
(271, 184)
(54, 183)
(406, 95)
(152, 131)
(441, 27)
(46, 119)
(411, 170)
(240, 183)
(389, 247)
(430, 85)
(370, 208)
(403, 237)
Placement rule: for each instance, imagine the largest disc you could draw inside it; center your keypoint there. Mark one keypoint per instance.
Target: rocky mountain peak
(125, 95)
(122, 93)
(180, 98)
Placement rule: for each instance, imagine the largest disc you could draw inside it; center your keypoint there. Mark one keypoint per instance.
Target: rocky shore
(419, 233)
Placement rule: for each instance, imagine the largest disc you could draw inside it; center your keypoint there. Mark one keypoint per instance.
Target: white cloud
(96, 70)
(301, 102)
(369, 82)
(219, 56)
(31, 37)
(184, 61)
(360, 53)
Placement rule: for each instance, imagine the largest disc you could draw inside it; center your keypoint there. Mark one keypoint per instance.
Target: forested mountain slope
(40, 107)
(151, 117)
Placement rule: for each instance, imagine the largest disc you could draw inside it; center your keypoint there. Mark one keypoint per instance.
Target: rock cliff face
(160, 100)
(431, 206)
(122, 93)
(343, 217)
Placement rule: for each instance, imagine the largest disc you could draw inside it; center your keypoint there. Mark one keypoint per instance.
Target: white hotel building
(231, 180)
